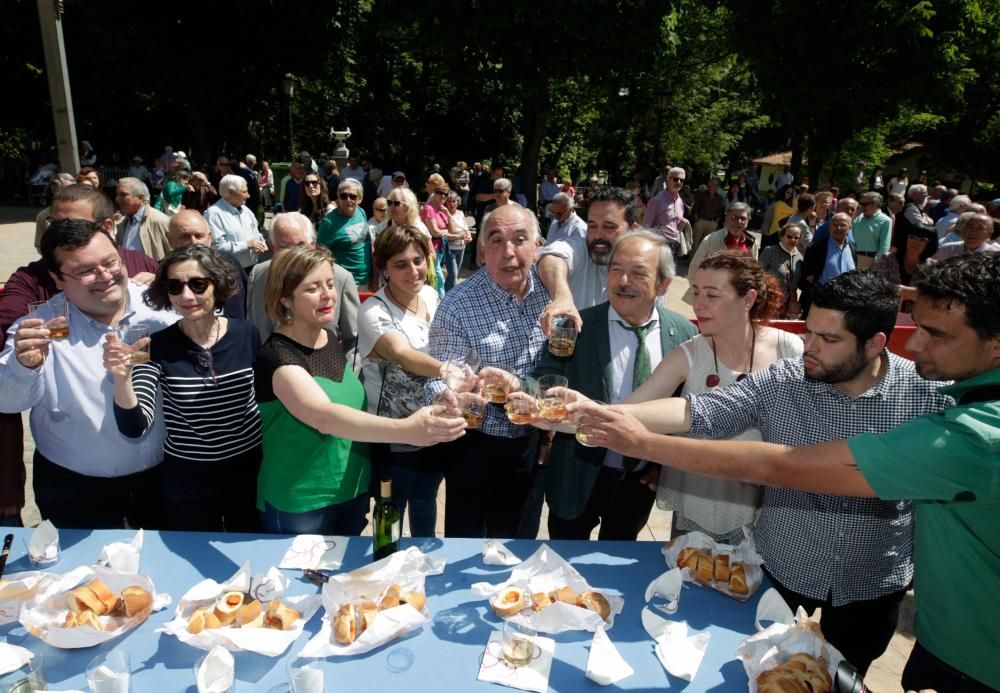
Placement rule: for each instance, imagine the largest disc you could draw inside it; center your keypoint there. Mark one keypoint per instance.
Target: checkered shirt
(842, 548)
(478, 314)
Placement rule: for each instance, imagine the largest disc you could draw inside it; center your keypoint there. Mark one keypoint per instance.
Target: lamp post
(288, 87)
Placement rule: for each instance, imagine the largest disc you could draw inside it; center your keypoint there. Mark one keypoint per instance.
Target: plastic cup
(562, 337)
(27, 679)
(517, 644)
(136, 340)
(110, 673)
(552, 405)
(44, 556)
(55, 313)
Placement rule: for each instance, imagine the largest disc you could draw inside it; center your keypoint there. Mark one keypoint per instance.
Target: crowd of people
(220, 378)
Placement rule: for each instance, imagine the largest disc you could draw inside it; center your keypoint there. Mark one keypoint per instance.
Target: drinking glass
(473, 408)
(42, 556)
(55, 313)
(110, 673)
(305, 675)
(562, 337)
(552, 405)
(496, 385)
(28, 679)
(136, 340)
(518, 645)
(460, 368)
(581, 433)
(521, 408)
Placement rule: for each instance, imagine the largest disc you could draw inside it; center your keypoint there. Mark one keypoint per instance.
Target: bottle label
(394, 532)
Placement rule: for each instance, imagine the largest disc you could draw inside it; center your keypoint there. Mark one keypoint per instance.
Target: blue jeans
(344, 519)
(416, 477)
(454, 259)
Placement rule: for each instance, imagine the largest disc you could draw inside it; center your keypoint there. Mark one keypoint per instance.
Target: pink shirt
(665, 212)
(435, 219)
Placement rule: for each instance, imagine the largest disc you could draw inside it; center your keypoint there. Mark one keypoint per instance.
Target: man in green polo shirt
(947, 463)
(345, 232)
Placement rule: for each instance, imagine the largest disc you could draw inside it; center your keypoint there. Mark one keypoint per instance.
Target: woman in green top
(315, 474)
(177, 184)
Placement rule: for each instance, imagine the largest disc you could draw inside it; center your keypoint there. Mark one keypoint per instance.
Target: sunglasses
(312, 182)
(395, 203)
(348, 196)
(207, 365)
(380, 209)
(198, 285)
(676, 179)
(442, 193)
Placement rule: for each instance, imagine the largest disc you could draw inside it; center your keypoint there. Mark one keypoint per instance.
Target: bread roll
(83, 599)
(738, 580)
(722, 568)
(202, 619)
(135, 599)
(509, 602)
(251, 615)
(779, 680)
(596, 602)
(811, 670)
(368, 612)
(688, 558)
(228, 607)
(345, 625)
(414, 599)
(540, 600)
(388, 602)
(104, 594)
(393, 591)
(705, 569)
(566, 595)
(71, 621)
(280, 616)
(89, 618)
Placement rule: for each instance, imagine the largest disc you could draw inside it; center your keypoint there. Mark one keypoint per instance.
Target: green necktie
(641, 368)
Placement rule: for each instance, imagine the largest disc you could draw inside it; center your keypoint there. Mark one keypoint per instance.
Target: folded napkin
(495, 553)
(13, 658)
(533, 676)
(216, 671)
(604, 664)
(667, 586)
(306, 679)
(43, 546)
(121, 556)
(104, 680)
(773, 607)
(315, 552)
(679, 653)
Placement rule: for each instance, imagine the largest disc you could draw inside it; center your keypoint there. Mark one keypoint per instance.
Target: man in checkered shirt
(851, 556)
(490, 471)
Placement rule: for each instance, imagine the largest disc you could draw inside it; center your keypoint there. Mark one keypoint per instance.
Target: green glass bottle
(387, 523)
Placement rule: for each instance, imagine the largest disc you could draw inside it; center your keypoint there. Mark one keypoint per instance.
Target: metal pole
(291, 134)
(50, 19)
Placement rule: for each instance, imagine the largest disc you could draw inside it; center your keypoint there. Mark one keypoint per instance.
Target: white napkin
(530, 677)
(772, 607)
(307, 679)
(216, 672)
(667, 586)
(270, 585)
(43, 547)
(314, 551)
(13, 658)
(495, 553)
(104, 680)
(121, 556)
(604, 664)
(679, 653)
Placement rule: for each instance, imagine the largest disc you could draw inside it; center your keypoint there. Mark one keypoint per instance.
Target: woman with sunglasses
(777, 212)
(202, 368)
(316, 471)
(314, 198)
(438, 222)
(405, 210)
(733, 300)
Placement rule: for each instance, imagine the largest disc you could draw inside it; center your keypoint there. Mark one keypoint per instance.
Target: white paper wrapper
(531, 677)
(605, 665)
(773, 607)
(44, 616)
(122, 556)
(680, 652)
(314, 551)
(266, 641)
(667, 586)
(16, 589)
(654, 624)
(776, 643)
(408, 569)
(495, 553)
(545, 571)
(744, 553)
(13, 658)
(43, 545)
(216, 671)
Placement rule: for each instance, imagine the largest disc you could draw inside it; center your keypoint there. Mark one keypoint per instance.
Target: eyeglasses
(395, 203)
(442, 193)
(198, 285)
(312, 182)
(740, 220)
(207, 363)
(109, 266)
(676, 179)
(348, 196)
(380, 209)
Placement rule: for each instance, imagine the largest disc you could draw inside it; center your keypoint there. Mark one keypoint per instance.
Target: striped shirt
(478, 314)
(210, 411)
(842, 548)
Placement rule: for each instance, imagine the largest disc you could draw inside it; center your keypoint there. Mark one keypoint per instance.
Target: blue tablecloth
(442, 656)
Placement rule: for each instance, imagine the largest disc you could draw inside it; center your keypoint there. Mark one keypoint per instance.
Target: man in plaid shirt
(851, 556)
(490, 471)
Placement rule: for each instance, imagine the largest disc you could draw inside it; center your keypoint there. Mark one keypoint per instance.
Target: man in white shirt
(784, 178)
(353, 169)
(565, 221)
(233, 224)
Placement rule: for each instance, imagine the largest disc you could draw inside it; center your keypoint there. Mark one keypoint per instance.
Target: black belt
(866, 254)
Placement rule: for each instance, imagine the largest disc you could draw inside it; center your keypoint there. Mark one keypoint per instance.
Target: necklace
(215, 328)
(406, 309)
(713, 380)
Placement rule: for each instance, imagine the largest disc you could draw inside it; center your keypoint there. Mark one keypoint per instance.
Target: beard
(600, 252)
(838, 372)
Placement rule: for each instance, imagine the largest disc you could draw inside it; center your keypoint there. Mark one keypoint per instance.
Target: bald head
(290, 230)
(188, 227)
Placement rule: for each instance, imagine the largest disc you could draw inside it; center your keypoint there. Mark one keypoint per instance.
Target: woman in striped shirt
(202, 369)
